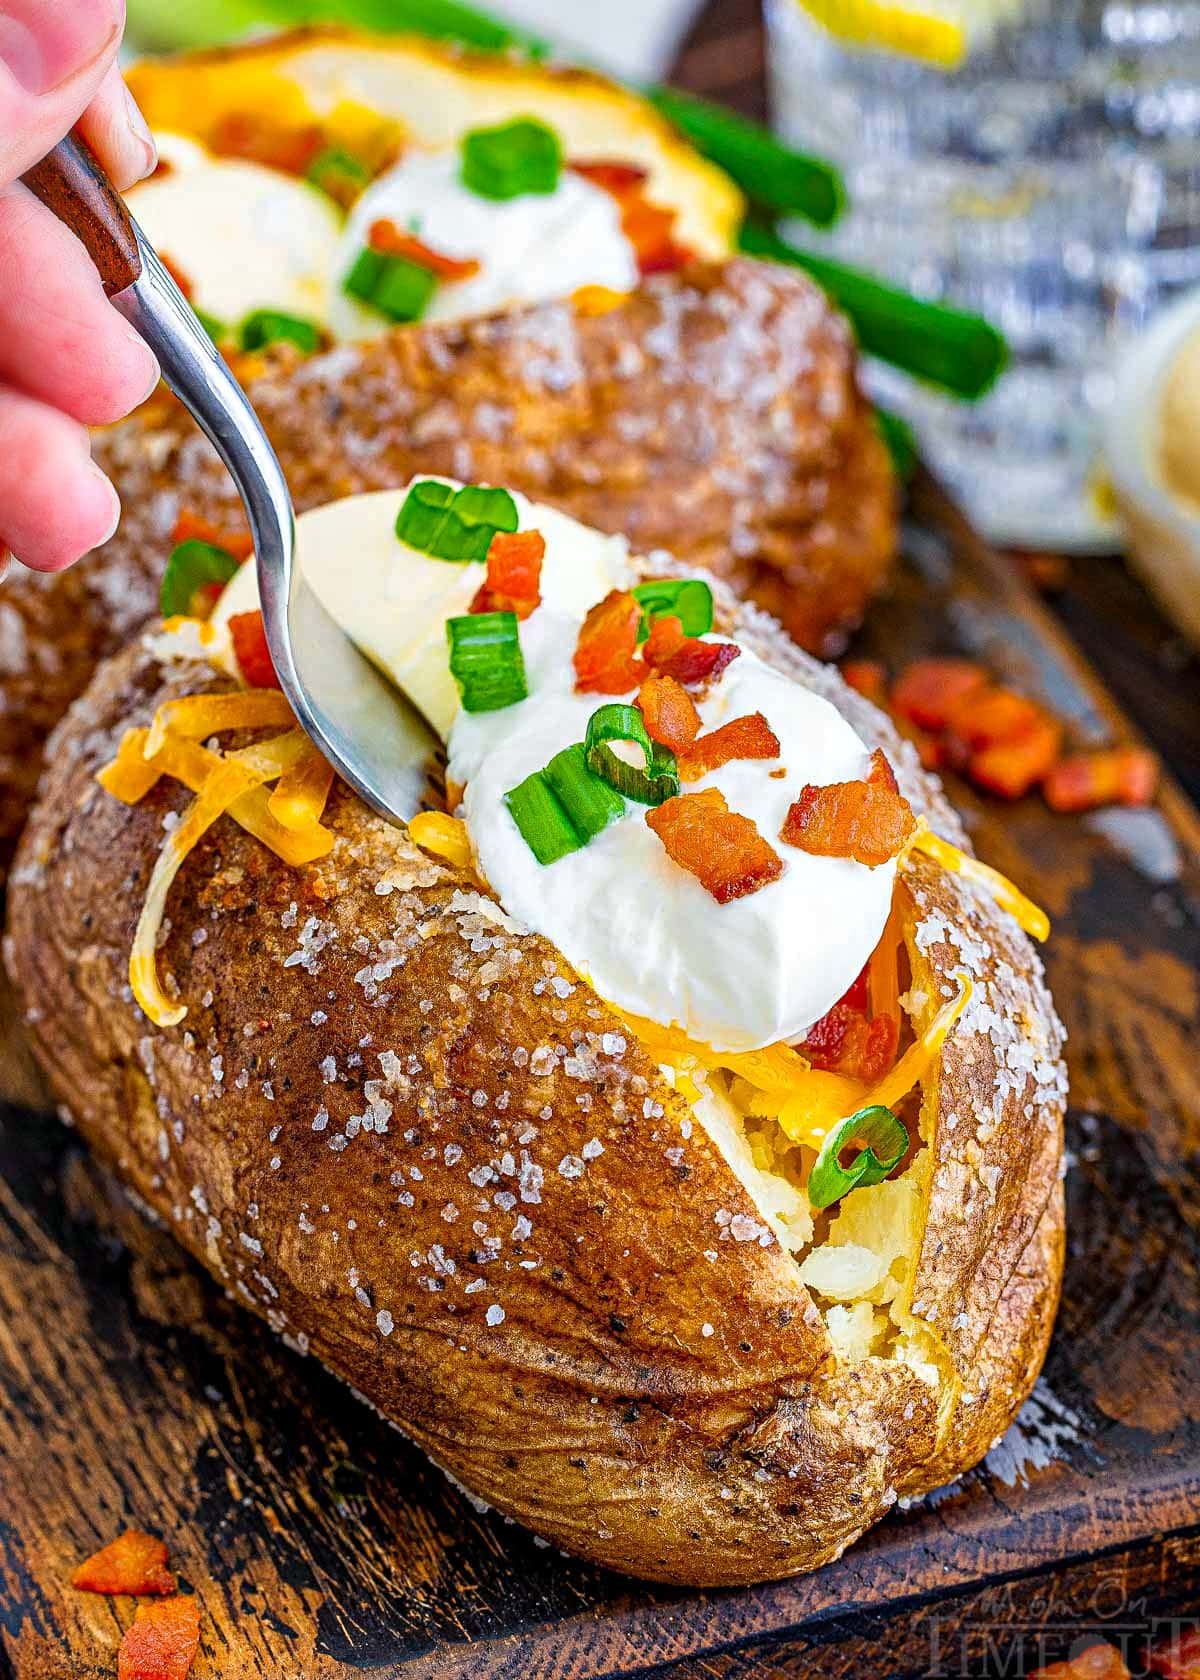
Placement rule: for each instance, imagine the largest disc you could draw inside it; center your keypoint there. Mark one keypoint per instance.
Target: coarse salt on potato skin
(658, 1347)
(723, 398)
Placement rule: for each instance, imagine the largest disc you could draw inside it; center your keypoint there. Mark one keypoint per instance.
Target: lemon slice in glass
(940, 33)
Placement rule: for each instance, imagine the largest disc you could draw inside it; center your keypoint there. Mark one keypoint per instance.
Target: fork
(366, 729)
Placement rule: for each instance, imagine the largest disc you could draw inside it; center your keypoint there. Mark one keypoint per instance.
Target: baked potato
(713, 413)
(622, 1282)
(301, 151)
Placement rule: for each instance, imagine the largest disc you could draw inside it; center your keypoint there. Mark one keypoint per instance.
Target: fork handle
(70, 182)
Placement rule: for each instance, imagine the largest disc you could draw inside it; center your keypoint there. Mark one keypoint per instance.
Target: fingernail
(139, 128)
(43, 45)
(116, 506)
(154, 372)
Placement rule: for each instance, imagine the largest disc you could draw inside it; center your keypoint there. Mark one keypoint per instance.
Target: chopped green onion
(193, 566)
(397, 288)
(559, 809)
(545, 827)
(768, 172)
(884, 1142)
(522, 156)
(454, 525)
(652, 781)
(901, 442)
(959, 351)
(589, 802)
(271, 326)
(335, 169)
(486, 660)
(687, 599)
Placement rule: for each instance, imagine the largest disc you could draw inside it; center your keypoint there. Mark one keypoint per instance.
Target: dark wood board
(324, 1547)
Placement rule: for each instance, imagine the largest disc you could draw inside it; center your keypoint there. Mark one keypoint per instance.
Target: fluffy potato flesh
(407, 1134)
(369, 93)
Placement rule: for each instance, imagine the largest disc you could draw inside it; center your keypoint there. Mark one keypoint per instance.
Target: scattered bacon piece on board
(133, 1563)
(1111, 776)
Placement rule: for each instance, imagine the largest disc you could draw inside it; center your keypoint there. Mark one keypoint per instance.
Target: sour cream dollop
(644, 932)
(537, 246)
(245, 237)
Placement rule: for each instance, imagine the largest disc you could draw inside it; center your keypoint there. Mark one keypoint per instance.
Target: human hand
(67, 359)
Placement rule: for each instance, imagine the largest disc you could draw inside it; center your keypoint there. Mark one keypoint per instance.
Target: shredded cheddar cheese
(233, 784)
(1024, 911)
(197, 716)
(228, 782)
(444, 836)
(303, 790)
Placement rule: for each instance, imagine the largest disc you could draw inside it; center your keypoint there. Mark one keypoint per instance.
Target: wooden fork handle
(70, 182)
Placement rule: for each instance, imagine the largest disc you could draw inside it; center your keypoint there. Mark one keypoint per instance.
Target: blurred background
(1034, 161)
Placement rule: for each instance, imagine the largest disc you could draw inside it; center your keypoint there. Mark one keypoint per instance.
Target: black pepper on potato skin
(506, 1259)
(713, 414)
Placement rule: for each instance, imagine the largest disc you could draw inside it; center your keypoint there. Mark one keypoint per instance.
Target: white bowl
(1163, 535)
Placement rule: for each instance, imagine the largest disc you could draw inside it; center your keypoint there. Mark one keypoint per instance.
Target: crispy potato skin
(714, 414)
(572, 1332)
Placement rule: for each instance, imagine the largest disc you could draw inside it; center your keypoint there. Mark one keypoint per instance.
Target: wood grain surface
(324, 1547)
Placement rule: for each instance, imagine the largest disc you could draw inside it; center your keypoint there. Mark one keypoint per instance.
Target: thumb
(53, 57)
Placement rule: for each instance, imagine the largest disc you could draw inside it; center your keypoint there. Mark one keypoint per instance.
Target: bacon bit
(880, 772)
(867, 677)
(182, 280)
(1112, 776)
(668, 712)
(1011, 768)
(922, 1052)
(720, 847)
(191, 527)
(688, 659)
(650, 229)
(857, 992)
(845, 1042)
(392, 241)
(134, 1563)
(1177, 1658)
(255, 139)
(514, 574)
(605, 654)
(926, 690)
(251, 651)
(1097, 1662)
(163, 1641)
(987, 716)
(619, 179)
(867, 821)
(748, 737)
